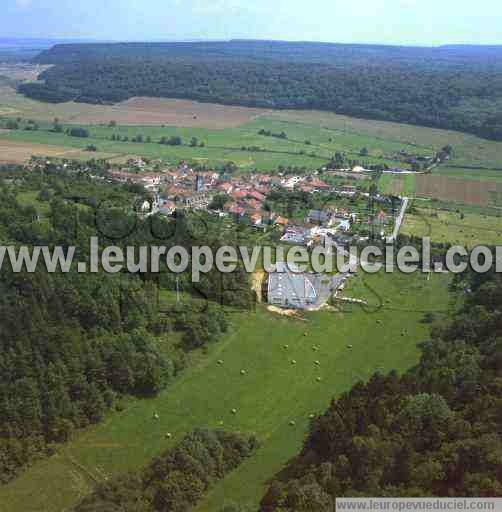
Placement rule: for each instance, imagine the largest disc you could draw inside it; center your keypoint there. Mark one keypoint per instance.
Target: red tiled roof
(254, 204)
(237, 210)
(239, 194)
(281, 221)
(256, 195)
(317, 183)
(225, 186)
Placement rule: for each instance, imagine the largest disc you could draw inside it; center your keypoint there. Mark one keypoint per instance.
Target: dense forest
(435, 431)
(177, 479)
(71, 344)
(456, 88)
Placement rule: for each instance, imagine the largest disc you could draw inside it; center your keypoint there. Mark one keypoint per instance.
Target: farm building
(319, 218)
(291, 289)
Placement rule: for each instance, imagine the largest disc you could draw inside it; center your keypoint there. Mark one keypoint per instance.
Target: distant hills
(455, 87)
(23, 50)
(305, 52)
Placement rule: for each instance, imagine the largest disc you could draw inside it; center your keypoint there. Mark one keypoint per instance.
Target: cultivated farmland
(305, 146)
(18, 152)
(160, 111)
(229, 128)
(136, 111)
(458, 190)
(469, 150)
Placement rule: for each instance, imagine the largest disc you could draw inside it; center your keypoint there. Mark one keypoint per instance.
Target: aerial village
(344, 218)
(340, 207)
(248, 198)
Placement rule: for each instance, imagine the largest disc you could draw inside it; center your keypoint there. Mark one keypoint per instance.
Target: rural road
(399, 219)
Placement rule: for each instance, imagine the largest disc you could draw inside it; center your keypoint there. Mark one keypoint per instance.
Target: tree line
(87, 340)
(451, 89)
(176, 480)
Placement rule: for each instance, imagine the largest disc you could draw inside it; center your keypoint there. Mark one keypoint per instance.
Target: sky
(409, 22)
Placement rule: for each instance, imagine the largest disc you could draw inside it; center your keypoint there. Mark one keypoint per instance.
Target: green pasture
(457, 226)
(273, 399)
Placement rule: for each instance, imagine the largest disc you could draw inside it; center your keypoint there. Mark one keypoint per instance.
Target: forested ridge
(435, 431)
(73, 345)
(456, 88)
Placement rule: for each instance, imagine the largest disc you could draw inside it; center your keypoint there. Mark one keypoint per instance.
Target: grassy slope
(397, 184)
(268, 397)
(211, 155)
(448, 226)
(470, 174)
(227, 144)
(348, 134)
(468, 149)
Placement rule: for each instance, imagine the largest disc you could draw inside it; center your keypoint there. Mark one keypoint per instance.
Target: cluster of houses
(244, 199)
(319, 226)
(241, 197)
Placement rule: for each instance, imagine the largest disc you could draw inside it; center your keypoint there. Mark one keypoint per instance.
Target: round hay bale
(168, 435)
(155, 416)
(234, 411)
(311, 416)
(243, 372)
(350, 346)
(305, 334)
(293, 361)
(317, 363)
(220, 361)
(286, 346)
(319, 379)
(292, 423)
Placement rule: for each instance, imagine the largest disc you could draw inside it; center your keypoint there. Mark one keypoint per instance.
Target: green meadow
(397, 184)
(457, 225)
(327, 133)
(273, 399)
(472, 174)
(309, 146)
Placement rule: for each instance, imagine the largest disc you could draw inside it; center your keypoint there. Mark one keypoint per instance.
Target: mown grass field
(457, 226)
(469, 150)
(397, 184)
(470, 174)
(268, 397)
(18, 152)
(210, 155)
(306, 146)
(136, 111)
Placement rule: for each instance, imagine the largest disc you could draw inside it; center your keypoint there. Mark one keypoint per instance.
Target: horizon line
(91, 40)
